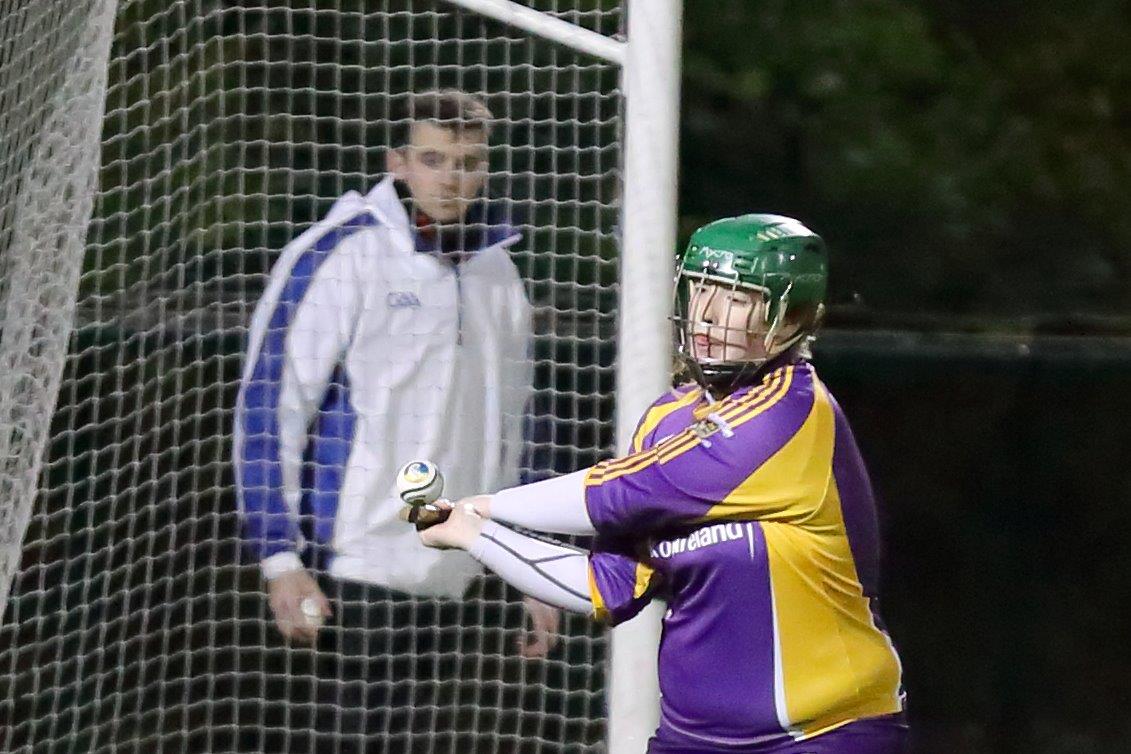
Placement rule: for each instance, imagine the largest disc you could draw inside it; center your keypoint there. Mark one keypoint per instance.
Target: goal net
(135, 620)
(52, 84)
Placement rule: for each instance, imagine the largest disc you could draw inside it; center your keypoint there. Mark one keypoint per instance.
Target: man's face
(444, 169)
(727, 324)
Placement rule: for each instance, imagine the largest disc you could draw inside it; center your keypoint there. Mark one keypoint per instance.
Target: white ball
(420, 483)
(312, 612)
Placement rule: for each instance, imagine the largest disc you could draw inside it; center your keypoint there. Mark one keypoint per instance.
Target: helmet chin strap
(724, 377)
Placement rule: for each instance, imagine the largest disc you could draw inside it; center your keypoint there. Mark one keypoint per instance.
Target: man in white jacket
(395, 328)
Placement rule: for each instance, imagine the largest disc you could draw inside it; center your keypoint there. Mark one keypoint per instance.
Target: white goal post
(125, 295)
(650, 60)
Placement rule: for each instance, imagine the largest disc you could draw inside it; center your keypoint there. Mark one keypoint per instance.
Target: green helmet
(774, 256)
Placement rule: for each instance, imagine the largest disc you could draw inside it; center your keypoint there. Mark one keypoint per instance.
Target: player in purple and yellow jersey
(745, 504)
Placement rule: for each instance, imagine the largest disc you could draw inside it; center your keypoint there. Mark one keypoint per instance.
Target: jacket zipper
(459, 306)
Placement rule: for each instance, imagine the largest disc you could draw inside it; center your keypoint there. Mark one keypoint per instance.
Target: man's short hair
(451, 109)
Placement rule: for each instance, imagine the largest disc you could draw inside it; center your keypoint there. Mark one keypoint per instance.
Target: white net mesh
(135, 620)
(52, 84)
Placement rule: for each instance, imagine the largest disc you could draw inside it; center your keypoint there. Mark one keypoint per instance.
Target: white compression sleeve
(555, 505)
(554, 573)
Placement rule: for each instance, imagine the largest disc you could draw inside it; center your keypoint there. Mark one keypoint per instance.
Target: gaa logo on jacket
(402, 300)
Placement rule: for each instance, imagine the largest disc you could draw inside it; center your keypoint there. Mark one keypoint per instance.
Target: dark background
(968, 164)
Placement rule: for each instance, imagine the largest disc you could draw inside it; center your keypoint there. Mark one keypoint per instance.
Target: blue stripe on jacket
(267, 523)
(326, 456)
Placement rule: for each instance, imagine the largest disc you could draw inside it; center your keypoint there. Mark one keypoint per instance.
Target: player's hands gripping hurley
(420, 484)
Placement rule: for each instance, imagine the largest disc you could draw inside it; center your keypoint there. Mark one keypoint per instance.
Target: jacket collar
(484, 226)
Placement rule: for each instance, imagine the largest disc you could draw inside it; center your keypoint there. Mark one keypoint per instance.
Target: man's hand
(285, 594)
(543, 634)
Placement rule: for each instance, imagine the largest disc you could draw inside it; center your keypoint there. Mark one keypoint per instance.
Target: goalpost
(133, 619)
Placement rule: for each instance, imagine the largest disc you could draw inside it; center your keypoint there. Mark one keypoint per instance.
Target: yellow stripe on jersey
(600, 611)
(776, 390)
(632, 460)
(644, 574)
(686, 440)
(642, 582)
(768, 397)
(609, 470)
(674, 446)
(657, 414)
(664, 447)
(739, 412)
(836, 665)
(791, 483)
(777, 386)
(636, 460)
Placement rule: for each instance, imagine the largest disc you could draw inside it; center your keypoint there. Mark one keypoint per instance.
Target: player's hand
(543, 634)
(285, 594)
(458, 531)
(481, 504)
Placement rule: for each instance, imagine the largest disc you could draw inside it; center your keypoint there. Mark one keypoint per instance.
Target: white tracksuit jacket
(365, 353)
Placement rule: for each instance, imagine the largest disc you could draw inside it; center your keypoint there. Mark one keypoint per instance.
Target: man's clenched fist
(285, 594)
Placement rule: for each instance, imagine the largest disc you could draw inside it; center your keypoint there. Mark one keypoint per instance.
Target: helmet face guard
(778, 262)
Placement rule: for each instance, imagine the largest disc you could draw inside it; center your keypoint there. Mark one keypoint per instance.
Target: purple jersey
(755, 516)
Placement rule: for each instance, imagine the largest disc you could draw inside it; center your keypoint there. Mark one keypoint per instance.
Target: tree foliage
(964, 160)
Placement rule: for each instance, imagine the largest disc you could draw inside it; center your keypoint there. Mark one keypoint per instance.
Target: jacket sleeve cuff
(280, 563)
